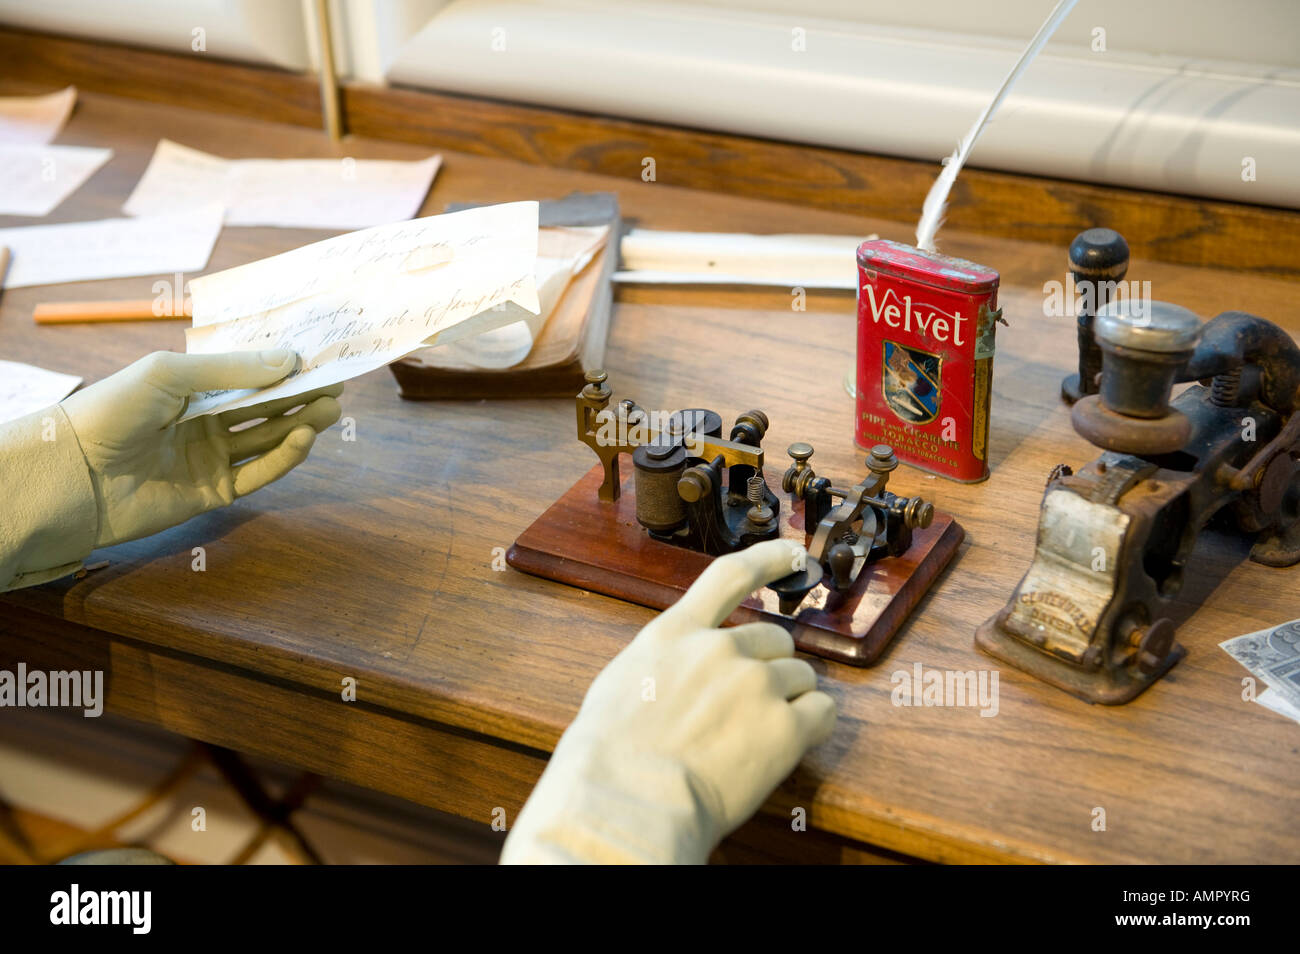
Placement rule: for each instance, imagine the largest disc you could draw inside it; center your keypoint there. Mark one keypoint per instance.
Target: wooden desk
(374, 560)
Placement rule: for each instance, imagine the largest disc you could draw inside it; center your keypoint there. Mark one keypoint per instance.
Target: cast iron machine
(1091, 615)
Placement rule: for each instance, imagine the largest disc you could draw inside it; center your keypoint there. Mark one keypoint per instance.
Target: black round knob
(659, 458)
(695, 420)
(840, 561)
(1099, 253)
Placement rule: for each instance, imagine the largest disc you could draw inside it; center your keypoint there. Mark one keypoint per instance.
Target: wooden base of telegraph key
(598, 545)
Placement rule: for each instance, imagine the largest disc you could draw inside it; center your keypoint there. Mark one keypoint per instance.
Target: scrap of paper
(1272, 655)
(359, 301)
(728, 258)
(110, 248)
(562, 252)
(289, 193)
(1274, 700)
(37, 178)
(25, 389)
(34, 120)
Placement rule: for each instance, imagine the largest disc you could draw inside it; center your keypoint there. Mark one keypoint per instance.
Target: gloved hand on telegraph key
(683, 735)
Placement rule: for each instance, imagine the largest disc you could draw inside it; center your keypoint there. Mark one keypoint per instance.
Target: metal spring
(1225, 390)
(754, 489)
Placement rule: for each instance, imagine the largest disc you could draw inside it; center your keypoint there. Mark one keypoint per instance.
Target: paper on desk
(1273, 655)
(728, 258)
(25, 388)
(1274, 700)
(290, 193)
(34, 120)
(37, 178)
(359, 301)
(562, 252)
(111, 248)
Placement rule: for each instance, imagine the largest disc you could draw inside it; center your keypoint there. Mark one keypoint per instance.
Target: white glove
(683, 735)
(124, 468)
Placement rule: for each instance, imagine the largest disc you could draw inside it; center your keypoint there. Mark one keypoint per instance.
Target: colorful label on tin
(911, 381)
(925, 360)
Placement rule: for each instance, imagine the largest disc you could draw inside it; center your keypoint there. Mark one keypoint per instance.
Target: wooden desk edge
(473, 772)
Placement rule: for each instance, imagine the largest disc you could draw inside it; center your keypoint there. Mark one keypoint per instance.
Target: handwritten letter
(359, 301)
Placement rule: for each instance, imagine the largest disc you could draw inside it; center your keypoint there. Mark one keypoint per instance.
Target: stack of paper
(547, 355)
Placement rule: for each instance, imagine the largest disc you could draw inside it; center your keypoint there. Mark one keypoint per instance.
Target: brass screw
(882, 459)
(692, 486)
(796, 478)
(917, 513)
(595, 389)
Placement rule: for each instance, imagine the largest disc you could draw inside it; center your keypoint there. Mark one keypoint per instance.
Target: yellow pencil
(75, 312)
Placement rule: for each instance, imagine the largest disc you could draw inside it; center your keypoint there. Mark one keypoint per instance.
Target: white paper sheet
(562, 253)
(35, 179)
(359, 301)
(289, 193)
(1272, 699)
(111, 248)
(34, 120)
(768, 279)
(25, 388)
(727, 258)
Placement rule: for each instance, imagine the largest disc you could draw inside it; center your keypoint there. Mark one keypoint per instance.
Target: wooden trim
(197, 81)
(1168, 228)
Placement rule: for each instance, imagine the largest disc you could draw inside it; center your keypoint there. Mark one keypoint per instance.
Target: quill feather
(936, 202)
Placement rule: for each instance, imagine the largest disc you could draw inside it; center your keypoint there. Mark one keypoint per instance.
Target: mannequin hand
(684, 734)
(151, 473)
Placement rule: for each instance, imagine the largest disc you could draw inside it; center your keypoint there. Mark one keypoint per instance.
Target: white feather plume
(936, 202)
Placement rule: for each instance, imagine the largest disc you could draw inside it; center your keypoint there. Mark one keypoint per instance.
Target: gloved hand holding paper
(356, 302)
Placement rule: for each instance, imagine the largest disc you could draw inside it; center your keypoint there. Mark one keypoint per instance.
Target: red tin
(925, 357)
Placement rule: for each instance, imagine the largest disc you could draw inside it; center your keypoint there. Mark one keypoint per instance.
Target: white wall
(1251, 31)
(1149, 111)
(257, 31)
